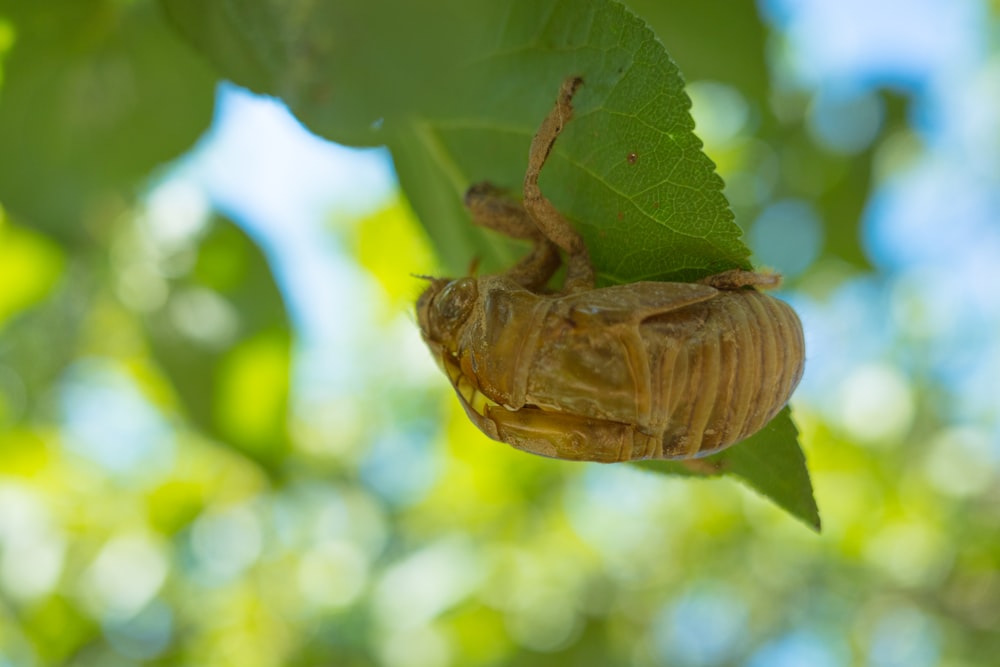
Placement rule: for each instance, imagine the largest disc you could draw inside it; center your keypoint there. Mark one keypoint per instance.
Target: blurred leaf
(479, 632)
(59, 629)
(174, 504)
(718, 40)
(342, 67)
(23, 453)
(844, 203)
(37, 344)
(94, 95)
(770, 461)
(30, 265)
(409, 251)
(6, 42)
(251, 403)
(224, 340)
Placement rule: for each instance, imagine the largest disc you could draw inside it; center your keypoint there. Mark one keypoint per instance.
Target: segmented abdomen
(720, 370)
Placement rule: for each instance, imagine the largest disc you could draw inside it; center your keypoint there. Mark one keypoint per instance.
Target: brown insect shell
(643, 370)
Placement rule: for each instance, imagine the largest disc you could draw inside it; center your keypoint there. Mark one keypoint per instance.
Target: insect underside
(636, 371)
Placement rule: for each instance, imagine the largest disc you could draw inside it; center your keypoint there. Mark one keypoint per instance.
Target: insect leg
(534, 271)
(738, 278)
(490, 208)
(579, 271)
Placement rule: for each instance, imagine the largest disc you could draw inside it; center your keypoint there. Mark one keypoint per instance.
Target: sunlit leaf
(223, 338)
(59, 628)
(23, 452)
(173, 504)
(409, 250)
(252, 392)
(30, 265)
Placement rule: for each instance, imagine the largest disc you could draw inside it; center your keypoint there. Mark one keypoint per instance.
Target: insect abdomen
(728, 377)
(686, 381)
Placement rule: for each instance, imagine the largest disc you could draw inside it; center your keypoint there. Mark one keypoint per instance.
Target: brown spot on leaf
(632, 158)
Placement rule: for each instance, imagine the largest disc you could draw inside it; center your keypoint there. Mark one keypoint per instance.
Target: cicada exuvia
(642, 370)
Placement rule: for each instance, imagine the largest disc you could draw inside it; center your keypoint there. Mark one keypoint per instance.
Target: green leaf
(30, 266)
(94, 95)
(770, 461)
(727, 42)
(629, 171)
(457, 94)
(343, 67)
(718, 40)
(224, 340)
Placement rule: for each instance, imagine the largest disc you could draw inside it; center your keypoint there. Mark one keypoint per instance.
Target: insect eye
(454, 303)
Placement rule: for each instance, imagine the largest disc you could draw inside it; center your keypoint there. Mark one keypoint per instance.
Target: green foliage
(223, 339)
(29, 266)
(95, 95)
(628, 171)
(718, 40)
(262, 536)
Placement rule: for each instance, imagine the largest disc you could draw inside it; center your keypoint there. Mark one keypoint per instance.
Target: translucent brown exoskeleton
(635, 371)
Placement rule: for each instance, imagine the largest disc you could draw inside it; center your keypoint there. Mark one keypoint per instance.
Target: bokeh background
(222, 442)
